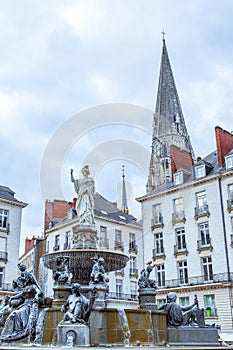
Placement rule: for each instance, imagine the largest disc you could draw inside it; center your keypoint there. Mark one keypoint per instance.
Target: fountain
(79, 315)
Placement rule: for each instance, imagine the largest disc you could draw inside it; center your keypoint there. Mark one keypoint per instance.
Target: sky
(78, 82)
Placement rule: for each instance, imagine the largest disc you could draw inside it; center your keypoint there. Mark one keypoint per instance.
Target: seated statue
(178, 315)
(61, 273)
(22, 319)
(144, 281)
(4, 308)
(98, 271)
(77, 306)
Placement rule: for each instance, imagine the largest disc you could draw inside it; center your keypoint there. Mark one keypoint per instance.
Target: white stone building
(187, 213)
(10, 228)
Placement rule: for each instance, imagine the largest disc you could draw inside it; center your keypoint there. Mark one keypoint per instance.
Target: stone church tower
(168, 127)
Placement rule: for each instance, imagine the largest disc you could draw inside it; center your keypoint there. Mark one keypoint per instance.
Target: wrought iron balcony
(230, 205)
(119, 245)
(204, 245)
(158, 252)
(202, 211)
(179, 250)
(121, 296)
(104, 243)
(178, 216)
(133, 248)
(3, 256)
(133, 273)
(199, 280)
(157, 221)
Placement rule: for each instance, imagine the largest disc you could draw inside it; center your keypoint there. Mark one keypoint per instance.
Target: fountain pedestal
(100, 295)
(147, 299)
(70, 334)
(84, 237)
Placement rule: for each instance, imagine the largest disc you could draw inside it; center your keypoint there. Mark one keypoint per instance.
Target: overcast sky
(61, 60)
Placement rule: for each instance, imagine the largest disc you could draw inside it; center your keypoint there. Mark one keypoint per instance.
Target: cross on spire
(163, 34)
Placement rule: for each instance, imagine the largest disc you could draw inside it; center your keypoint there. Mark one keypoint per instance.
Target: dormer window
(200, 171)
(229, 161)
(178, 178)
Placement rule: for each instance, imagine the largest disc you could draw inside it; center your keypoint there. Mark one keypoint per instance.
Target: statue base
(147, 299)
(100, 295)
(192, 336)
(84, 237)
(61, 294)
(73, 334)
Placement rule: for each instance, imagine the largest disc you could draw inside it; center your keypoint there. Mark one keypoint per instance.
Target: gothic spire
(124, 206)
(168, 125)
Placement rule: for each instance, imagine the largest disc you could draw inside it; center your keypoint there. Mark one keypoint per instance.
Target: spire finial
(124, 206)
(163, 34)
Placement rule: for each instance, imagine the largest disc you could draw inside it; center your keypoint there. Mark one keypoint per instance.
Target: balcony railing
(178, 216)
(179, 250)
(230, 205)
(157, 221)
(133, 272)
(202, 211)
(119, 245)
(204, 245)
(158, 252)
(133, 248)
(121, 296)
(3, 256)
(104, 243)
(197, 280)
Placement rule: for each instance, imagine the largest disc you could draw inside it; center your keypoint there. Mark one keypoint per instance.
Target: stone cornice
(200, 287)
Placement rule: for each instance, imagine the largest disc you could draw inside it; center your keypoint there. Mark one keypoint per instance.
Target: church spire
(124, 206)
(168, 125)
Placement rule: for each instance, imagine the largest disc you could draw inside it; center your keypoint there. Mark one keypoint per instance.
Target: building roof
(6, 194)
(106, 210)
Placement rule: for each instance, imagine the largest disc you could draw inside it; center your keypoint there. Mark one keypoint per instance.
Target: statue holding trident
(85, 189)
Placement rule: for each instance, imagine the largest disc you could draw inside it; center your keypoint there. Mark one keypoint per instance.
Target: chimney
(198, 159)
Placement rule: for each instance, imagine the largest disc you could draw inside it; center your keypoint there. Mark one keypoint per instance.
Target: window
(133, 266)
(132, 242)
(209, 302)
(180, 239)
(158, 244)
(204, 234)
(178, 178)
(160, 275)
(118, 236)
(103, 236)
(230, 191)
(184, 301)
(207, 268)
(229, 161)
(201, 199)
(67, 241)
(119, 288)
(57, 243)
(161, 302)
(133, 289)
(3, 218)
(1, 276)
(178, 205)
(200, 171)
(157, 214)
(183, 272)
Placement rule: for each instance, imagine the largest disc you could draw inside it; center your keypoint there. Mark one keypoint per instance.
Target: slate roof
(7, 194)
(107, 210)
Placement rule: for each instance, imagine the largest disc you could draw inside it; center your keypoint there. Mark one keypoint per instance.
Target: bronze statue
(98, 271)
(85, 189)
(178, 315)
(144, 280)
(61, 273)
(77, 307)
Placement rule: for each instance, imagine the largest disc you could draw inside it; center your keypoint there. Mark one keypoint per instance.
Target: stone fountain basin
(80, 263)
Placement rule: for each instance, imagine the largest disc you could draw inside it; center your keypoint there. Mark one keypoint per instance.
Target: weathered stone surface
(73, 335)
(193, 336)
